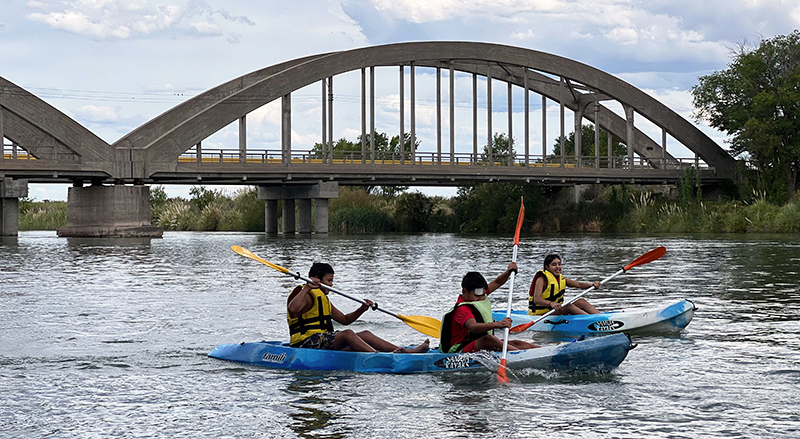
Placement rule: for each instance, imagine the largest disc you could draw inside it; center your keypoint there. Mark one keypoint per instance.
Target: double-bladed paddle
(426, 325)
(650, 256)
(501, 372)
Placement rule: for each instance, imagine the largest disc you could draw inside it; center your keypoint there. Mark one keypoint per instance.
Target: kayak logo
(456, 362)
(606, 325)
(274, 358)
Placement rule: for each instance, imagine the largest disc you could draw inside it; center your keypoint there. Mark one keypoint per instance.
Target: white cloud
(523, 36)
(97, 114)
(124, 19)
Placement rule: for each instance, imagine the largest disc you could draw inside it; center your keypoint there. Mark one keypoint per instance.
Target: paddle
(650, 256)
(426, 325)
(501, 372)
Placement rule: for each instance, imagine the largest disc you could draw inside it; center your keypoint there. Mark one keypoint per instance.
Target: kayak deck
(600, 354)
(672, 316)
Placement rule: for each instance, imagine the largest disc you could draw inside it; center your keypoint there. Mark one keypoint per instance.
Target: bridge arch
(40, 131)
(156, 145)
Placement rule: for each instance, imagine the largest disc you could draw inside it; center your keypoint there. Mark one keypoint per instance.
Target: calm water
(108, 338)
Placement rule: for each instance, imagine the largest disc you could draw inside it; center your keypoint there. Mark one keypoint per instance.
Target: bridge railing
(50, 153)
(429, 158)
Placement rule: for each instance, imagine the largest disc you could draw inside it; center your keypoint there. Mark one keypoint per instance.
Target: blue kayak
(671, 316)
(597, 354)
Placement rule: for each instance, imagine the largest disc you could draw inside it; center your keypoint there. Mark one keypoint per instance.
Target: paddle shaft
(375, 307)
(548, 313)
(501, 372)
(508, 304)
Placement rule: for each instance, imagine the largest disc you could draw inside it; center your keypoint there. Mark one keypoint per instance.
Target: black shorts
(320, 340)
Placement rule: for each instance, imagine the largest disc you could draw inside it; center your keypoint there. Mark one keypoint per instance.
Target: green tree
(385, 148)
(502, 151)
(202, 197)
(756, 101)
(618, 149)
(412, 212)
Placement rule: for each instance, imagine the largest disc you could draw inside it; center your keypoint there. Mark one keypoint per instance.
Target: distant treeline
(484, 208)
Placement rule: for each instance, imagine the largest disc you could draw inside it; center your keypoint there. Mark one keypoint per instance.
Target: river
(109, 338)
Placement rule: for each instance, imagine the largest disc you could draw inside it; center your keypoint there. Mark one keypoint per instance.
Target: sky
(112, 65)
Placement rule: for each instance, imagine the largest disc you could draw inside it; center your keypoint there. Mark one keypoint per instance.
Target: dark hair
(473, 280)
(319, 270)
(550, 258)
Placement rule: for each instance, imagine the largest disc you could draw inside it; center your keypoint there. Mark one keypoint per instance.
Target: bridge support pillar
(271, 217)
(302, 197)
(304, 216)
(321, 205)
(10, 192)
(288, 217)
(109, 211)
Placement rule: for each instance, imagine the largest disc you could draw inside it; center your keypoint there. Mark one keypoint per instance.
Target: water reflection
(311, 416)
(77, 243)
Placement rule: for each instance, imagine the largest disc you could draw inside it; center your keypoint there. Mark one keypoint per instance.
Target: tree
(756, 101)
(502, 151)
(412, 212)
(618, 149)
(385, 148)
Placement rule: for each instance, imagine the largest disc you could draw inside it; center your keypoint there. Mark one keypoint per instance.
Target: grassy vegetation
(42, 215)
(208, 210)
(488, 208)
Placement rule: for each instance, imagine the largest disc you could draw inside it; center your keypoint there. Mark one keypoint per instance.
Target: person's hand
(314, 284)
(555, 306)
(596, 284)
(369, 304)
(513, 267)
(505, 323)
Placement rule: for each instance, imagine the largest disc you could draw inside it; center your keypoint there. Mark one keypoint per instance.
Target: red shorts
(470, 347)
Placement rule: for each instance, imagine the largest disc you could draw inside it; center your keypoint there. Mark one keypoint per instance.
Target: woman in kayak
(468, 326)
(310, 316)
(547, 291)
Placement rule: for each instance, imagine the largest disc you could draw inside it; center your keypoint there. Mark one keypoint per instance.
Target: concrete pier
(10, 192)
(301, 197)
(109, 211)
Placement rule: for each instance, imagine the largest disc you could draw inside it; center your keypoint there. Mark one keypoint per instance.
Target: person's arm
(500, 280)
(582, 285)
(302, 302)
(474, 327)
(346, 319)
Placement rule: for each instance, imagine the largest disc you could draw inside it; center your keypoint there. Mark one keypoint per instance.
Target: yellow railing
(8, 156)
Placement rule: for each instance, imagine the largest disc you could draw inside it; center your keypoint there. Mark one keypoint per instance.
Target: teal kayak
(600, 354)
(671, 316)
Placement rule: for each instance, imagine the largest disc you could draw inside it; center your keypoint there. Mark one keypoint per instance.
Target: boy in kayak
(547, 291)
(469, 325)
(310, 316)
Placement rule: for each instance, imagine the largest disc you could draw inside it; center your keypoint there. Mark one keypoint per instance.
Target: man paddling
(310, 316)
(468, 326)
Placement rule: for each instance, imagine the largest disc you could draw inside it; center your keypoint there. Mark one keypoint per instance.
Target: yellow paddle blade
(424, 324)
(248, 254)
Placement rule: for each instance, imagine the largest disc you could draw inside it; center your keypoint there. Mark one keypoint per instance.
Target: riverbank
(489, 208)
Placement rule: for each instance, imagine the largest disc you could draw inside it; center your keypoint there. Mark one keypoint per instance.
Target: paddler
(547, 291)
(469, 325)
(311, 315)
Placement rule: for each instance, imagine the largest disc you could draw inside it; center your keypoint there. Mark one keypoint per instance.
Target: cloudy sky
(115, 64)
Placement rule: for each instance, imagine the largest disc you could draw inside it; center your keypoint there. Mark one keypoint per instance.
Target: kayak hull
(672, 316)
(598, 354)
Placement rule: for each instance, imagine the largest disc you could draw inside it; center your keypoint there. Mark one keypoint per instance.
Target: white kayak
(671, 316)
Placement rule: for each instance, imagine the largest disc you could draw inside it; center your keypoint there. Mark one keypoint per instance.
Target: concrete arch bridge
(41, 144)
